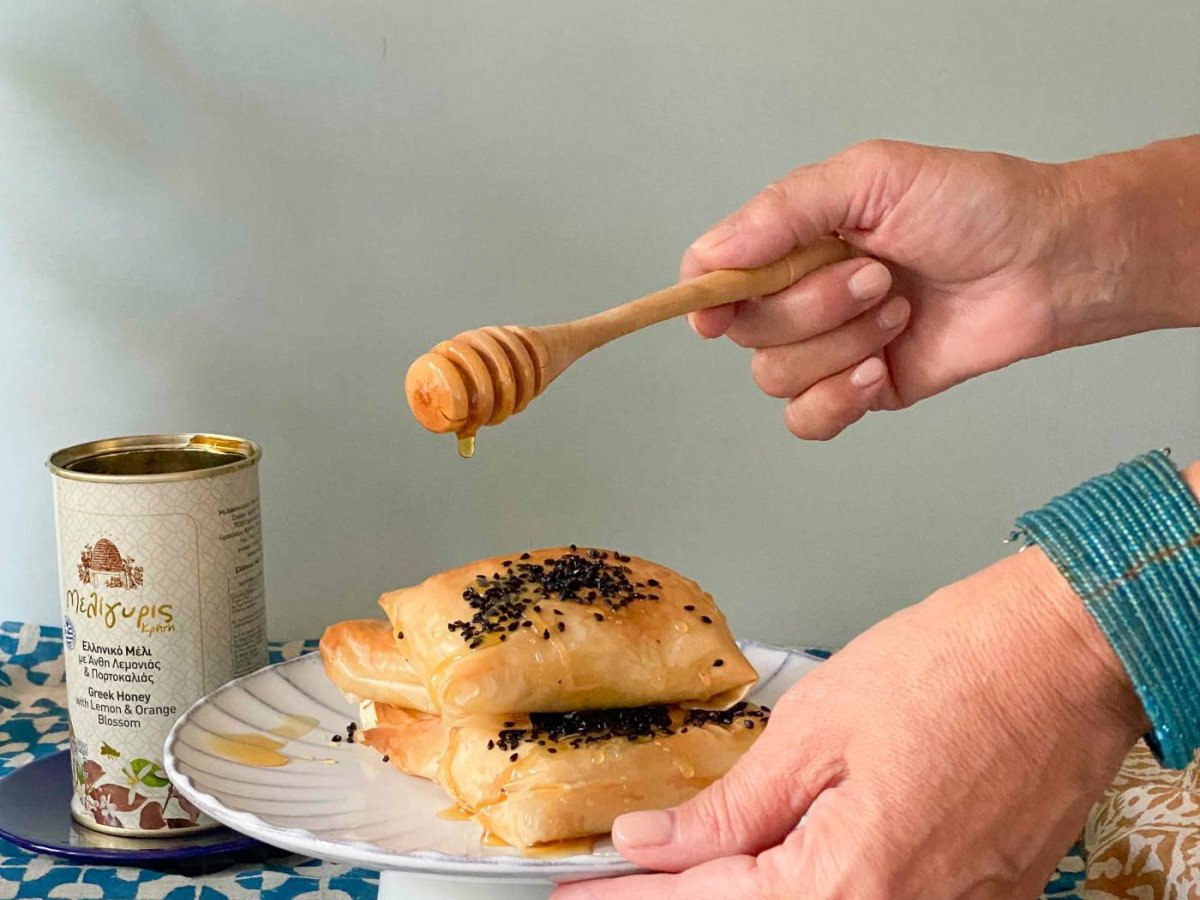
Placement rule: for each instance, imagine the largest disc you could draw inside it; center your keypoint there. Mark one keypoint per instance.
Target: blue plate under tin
(35, 815)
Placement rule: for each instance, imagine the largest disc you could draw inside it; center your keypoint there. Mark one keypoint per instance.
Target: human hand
(990, 259)
(951, 751)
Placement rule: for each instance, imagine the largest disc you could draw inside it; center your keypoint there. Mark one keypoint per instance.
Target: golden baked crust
(529, 786)
(362, 658)
(413, 742)
(564, 629)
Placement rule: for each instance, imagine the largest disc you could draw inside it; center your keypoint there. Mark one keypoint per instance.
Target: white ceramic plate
(341, 802)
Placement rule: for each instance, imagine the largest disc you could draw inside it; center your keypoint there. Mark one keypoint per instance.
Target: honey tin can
(161, 581)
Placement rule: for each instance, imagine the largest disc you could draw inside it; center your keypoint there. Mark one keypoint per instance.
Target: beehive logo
(102, 565)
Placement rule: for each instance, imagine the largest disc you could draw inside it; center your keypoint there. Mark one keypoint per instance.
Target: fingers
(752, 807)
(712, 323)
(815, 304)
(731, 878)
(804, 205)
(792, 369)
(833, 404)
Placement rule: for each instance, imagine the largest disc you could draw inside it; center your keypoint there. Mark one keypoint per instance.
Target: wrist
(1085, 667)
(1128, 543)
(1127, 249)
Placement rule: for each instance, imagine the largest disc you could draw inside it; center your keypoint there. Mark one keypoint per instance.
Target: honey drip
(454, 814)
(466, 445)
(249, 749)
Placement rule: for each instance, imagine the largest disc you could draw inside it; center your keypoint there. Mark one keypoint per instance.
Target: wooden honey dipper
(482, 376)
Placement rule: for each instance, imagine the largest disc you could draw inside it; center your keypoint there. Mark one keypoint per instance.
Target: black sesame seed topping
(400, 635)
(717, 663)
(386, 757)
(599, 617)
(706, 620)
(587, 727)
(745, 712)
(500, 603)
(337, 738)
(653, 582)
(513, 758)
(491, 745)
(690, 608)
(562, 627)
(546, 635)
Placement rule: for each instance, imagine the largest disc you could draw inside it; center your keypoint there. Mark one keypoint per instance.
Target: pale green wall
(249, 217)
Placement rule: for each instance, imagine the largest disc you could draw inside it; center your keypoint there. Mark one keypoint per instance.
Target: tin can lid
(154, 457)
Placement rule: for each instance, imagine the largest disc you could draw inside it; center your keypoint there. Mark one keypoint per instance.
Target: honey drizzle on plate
(258, 749)
(293, 727)
(249, 749)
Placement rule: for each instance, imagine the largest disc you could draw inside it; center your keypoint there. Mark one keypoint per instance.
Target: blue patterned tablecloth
(33, 724)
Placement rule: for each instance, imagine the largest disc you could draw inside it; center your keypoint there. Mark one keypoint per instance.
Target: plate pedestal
(395, 885)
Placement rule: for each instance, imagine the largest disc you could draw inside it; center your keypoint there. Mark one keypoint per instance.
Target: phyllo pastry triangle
(553, 777)
(362, 658)
(565, 629)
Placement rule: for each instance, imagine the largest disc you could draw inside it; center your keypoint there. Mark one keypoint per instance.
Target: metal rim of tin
(137, 834)
(249, 452)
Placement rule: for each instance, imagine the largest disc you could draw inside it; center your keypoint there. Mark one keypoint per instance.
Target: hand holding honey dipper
(483, 376)
(954, 749)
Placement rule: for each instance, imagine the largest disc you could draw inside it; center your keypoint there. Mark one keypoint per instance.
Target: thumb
(752, 807)
(852, 191)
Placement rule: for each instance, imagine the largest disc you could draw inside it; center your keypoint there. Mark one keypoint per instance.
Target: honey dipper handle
(711, 289)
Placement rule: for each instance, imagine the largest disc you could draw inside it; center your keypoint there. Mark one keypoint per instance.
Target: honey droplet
(466, 445)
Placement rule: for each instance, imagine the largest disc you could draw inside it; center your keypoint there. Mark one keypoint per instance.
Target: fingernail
(893, 313)
(718, 235)
(645, 829)
(870, 281)
(869, 372)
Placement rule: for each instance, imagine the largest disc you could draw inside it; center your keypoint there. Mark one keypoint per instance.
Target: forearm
(1129, 249)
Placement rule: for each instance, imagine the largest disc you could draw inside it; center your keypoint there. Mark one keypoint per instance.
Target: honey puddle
(258, 749)
(548, 850)
(454, 814)
(294, 726)
(555, 849)
(249, 749)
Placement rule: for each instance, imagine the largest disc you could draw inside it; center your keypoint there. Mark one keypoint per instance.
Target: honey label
(162, 602)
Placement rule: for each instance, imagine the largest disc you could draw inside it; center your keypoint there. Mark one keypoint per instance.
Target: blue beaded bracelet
(1129, 545)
